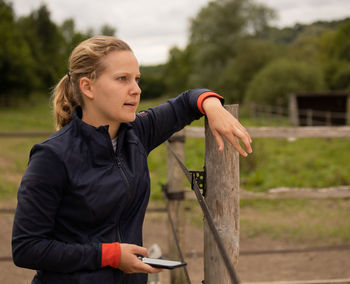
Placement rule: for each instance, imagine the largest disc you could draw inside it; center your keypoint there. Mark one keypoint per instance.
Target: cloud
(153, 26)
(308, 11)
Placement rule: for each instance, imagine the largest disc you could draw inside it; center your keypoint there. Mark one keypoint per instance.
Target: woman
(82, 199)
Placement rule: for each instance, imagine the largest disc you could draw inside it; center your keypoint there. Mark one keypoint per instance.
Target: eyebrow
(126, 73)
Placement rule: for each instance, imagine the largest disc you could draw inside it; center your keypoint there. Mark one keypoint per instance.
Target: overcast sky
(151, 27)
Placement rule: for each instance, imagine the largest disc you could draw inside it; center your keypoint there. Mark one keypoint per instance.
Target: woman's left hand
(223, 125)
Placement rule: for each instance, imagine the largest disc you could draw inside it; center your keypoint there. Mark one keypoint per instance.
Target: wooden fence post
(176, 188)
(223, 201)
(309, 117)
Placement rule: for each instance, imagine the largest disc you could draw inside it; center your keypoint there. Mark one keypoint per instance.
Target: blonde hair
(85, 61)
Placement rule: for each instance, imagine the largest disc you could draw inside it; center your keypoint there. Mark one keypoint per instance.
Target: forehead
(121, 61)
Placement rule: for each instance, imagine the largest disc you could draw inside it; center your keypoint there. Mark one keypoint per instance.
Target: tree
(71, 37)
(335, 52)
(46, 44)
(216, 31)
(108, 30)
(273, 84)
(16, 62)
(252, 55)
(178, 70)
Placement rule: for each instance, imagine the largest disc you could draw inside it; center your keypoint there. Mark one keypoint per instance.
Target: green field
(274, 163)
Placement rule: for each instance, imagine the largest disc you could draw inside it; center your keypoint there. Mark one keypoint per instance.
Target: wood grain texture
(223, 202)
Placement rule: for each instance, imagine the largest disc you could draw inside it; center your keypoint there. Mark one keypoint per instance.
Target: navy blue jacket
(77, 194)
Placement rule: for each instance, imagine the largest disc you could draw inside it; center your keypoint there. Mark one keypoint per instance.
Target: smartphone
(163, 263)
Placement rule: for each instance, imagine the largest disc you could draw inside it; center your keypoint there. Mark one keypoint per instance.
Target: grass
(301, 163)
(274, 163)
(305, 221)
(33, 114)
(313, 221)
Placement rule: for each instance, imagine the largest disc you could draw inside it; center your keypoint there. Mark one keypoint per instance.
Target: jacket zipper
(119, 235)
(120, 166)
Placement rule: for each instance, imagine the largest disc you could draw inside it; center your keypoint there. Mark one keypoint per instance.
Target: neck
(113, 126)
(113, 130)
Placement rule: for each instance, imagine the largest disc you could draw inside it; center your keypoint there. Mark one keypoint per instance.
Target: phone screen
(163, 263)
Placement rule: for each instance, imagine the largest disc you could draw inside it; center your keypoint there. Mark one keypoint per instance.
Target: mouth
(131, 104)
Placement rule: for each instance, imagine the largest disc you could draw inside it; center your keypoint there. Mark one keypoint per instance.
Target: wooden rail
(255, 132)
(284, 132)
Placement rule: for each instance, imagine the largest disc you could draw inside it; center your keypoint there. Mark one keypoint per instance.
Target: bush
(337, 75)
(273, 84)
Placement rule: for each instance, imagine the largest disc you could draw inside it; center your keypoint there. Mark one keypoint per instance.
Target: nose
(135, 89)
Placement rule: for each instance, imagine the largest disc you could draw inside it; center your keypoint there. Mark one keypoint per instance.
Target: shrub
(273, 84)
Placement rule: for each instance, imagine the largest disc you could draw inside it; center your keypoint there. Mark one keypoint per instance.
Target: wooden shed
(317, 109)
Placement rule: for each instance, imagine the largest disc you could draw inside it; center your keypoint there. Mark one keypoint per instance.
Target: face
(116, 93)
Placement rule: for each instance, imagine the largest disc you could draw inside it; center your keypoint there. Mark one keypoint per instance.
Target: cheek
(114, 98)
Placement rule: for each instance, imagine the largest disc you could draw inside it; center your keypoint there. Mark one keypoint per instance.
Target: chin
(130, 118)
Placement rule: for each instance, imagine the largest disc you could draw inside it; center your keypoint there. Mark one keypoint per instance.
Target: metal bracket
(200, 178)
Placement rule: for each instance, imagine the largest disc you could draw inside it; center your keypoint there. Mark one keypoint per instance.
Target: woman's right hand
(130, 262)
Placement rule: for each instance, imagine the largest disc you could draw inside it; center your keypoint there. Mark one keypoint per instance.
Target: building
(316, 109)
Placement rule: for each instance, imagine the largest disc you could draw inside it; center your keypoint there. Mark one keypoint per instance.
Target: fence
(222, 199)
(178, 141)
(308, 117)
(216, 200)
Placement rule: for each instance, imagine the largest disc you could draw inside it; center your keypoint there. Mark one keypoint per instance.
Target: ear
(85, 85)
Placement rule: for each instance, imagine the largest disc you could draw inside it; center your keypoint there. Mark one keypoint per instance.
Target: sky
(152, 27)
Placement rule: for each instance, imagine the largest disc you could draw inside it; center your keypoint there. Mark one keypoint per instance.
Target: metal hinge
(200, 178)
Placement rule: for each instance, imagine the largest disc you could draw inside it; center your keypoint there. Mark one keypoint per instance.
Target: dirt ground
(332, 264)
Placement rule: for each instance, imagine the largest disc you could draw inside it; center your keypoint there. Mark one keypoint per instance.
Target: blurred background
(270, 57)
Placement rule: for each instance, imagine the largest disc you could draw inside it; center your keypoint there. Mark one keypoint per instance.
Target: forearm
(55, 256)
(158, 124)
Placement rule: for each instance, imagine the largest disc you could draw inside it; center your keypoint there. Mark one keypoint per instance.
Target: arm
(33, 242)
(157, 124)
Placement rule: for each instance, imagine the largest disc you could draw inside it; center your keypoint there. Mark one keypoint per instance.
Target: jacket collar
(88, 130)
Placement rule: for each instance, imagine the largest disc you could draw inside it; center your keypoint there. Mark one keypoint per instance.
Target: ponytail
(64, 101)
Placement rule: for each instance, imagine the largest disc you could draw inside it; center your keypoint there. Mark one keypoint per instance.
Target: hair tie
(68, 74)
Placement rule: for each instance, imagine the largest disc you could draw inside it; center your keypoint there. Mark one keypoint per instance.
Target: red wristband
(110, 255)
(203, 96)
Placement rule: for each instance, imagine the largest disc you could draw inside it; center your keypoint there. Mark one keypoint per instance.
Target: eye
(121, 78)
(137, 79)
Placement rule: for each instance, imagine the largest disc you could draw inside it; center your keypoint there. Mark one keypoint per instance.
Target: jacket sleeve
(33, 242)
(156, 125)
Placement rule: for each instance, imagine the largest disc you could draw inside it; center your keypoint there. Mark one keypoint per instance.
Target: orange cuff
(203, 96)
(111, 255)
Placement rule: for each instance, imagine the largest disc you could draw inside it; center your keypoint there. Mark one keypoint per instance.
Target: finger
(145, 268)
(246, 142)
(243, 129)
(140, 250)
(248, 135)
(233, 141)
(151, 269)
(219, 140)
(245, 138)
